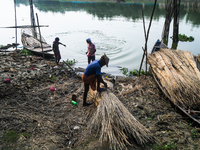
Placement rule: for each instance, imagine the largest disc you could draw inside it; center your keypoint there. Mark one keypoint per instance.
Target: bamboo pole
(15, 24)
(146, 38)
(40, 35)
(25, 26)
(148, 32)
(32, 18)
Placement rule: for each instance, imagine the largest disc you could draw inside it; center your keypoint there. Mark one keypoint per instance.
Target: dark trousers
(91, 58)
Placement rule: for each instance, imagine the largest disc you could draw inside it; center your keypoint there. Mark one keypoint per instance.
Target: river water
(115, 28)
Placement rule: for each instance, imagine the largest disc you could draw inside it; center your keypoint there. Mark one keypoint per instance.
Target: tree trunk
(168, 18)
(176, 20)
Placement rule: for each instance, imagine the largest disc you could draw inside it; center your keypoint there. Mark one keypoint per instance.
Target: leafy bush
(134, 72)
(71, 62)
(25, 52)
(125, 71)
(183, 37)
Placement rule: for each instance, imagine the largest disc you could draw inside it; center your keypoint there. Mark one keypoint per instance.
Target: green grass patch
(10, 136)
(1, 46)
(134, 72)
(71, 62)
(25, 52)
(169, 146)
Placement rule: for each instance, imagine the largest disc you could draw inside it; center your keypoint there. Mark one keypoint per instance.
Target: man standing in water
(56, 50)
(91, 50)
(93, 73)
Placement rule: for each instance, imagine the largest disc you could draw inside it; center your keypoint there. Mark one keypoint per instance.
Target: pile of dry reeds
(178, 76)
(198, 58)
(116, 125)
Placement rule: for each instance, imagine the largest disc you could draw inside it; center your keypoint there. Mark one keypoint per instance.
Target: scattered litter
(32, 68)
(54, 141)
(76, 127)
(53, 89)
(66, 137)
(7, 81)
(60, 83)
(39, 58)
(73, 102)
(63, 70)
(56, 67)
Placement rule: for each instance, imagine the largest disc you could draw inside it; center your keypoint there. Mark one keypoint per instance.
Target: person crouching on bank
(93, 73)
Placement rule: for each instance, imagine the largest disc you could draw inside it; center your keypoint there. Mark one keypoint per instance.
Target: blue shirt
(93, 68)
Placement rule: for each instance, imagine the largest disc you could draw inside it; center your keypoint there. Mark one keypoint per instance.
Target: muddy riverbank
(34, 117)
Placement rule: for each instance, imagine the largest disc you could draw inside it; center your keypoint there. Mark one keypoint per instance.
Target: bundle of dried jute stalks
(116, 125)
(178, 76)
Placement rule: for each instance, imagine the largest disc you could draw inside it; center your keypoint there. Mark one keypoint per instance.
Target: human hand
(101, 89)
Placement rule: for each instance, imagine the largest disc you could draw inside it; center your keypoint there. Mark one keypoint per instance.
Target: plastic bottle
(73, 102)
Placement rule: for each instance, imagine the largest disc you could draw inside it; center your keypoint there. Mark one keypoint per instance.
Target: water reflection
(110, 10)
(174, 45)
(116, 29)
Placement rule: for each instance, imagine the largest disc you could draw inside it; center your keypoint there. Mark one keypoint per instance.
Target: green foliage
(188, 125)
(125, 71)
(1, 46)
(53, 77)
(10, 136)
(183, 37)
(25, 52)
(134, 72)
(169, 146)
(71, 62)
(195, 133)
(148, 118)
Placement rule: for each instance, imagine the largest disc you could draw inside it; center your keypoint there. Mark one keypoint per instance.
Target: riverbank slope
(34, 117)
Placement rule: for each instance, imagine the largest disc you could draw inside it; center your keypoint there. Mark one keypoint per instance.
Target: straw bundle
(116, 125)
(178, 76)
(198, 57)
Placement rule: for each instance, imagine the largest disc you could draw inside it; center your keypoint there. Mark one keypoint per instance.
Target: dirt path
(33, 117)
